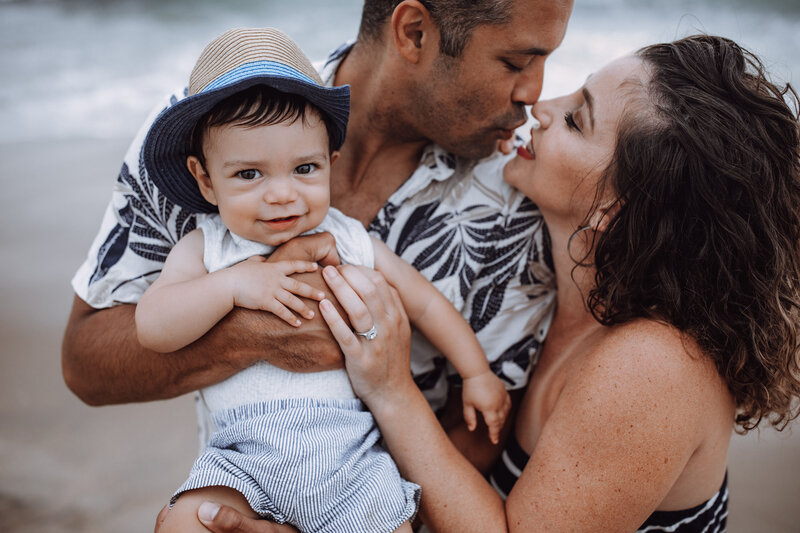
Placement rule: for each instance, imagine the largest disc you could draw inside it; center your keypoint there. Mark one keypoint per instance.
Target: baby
(250, 149)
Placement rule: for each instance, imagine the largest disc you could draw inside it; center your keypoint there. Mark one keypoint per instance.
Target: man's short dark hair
(456, 19)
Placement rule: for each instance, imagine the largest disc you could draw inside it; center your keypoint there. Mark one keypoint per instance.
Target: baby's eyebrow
(240, 163)
(313, 155)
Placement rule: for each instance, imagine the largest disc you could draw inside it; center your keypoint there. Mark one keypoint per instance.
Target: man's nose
(528, 87)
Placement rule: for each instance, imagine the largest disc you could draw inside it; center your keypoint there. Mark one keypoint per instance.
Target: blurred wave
(94, 68)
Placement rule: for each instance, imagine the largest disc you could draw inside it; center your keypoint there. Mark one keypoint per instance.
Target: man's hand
(223, 519)
(318, 248)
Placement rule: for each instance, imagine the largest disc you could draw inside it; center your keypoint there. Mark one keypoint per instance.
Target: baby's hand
(486, 393)
(257, 284)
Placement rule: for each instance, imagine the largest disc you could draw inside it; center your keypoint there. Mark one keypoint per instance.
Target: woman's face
(559, 170)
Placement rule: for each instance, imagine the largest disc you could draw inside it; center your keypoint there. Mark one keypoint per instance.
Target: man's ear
(202, 178)
(603, 215)
(414, 31)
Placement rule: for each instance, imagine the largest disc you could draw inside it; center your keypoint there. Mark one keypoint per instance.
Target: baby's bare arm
(432, 313)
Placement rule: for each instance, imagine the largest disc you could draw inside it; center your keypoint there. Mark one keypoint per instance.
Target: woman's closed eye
(569, 118)
(249, 174)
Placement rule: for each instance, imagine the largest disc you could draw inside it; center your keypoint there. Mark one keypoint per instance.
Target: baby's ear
(334, 156)
(202, 178)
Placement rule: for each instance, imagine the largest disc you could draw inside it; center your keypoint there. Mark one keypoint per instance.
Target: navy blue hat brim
(166, 146)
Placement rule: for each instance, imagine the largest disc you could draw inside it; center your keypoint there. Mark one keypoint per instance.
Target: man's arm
(103, 362)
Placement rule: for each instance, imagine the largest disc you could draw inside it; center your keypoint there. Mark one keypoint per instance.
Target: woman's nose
(542, 112)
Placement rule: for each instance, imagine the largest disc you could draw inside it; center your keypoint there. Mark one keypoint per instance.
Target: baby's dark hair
(707, 237)
(259, 105)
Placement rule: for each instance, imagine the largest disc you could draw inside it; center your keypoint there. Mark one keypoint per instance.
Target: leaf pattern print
(148, 226)
(157, 222)
(481, 250)
(114, 246)
(520, 355)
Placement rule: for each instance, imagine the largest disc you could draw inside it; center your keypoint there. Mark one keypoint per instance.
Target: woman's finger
(339, 328)
(376, 294)
(349, 299)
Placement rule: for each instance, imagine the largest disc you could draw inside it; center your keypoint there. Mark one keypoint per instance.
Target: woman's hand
(379, 368)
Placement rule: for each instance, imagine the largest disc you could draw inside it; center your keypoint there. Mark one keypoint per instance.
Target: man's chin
(474, 149)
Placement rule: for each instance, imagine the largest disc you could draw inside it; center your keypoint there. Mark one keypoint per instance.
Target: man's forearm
(103, 362)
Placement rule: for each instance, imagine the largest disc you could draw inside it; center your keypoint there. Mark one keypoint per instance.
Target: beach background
(79, 77)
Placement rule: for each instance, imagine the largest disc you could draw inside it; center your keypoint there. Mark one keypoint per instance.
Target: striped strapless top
(708, 517)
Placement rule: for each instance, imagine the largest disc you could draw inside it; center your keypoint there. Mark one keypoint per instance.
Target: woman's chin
(517, 173)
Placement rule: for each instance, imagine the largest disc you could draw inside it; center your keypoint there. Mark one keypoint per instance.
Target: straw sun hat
(232, 62)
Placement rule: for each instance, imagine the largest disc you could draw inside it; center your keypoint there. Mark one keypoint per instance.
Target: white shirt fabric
(263, 382)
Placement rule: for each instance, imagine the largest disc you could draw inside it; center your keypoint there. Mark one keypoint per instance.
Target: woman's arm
(455, 496)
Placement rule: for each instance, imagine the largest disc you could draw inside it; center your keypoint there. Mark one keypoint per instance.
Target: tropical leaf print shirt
(481, 243)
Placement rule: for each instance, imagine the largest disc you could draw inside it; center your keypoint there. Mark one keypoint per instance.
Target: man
(446, 72)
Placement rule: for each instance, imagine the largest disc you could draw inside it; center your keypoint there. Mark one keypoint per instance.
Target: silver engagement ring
(370, 334)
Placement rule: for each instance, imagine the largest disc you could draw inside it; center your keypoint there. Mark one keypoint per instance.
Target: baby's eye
(306, 168)
(249, 174)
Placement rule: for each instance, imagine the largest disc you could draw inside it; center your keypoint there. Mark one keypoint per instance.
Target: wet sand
(66, 467)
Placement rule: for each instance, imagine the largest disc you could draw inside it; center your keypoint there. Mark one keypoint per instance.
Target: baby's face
(270, 183)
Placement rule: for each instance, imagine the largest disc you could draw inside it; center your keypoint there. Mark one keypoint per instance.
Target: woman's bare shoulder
(654, 361)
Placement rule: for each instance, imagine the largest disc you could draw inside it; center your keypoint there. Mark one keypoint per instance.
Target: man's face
(467, 104)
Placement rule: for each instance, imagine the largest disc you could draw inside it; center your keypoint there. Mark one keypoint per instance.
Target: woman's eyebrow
(587, 96)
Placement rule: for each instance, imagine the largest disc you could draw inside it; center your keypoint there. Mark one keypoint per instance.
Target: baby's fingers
(278, 309)
(302, 289)
(470, 417)
(494, 421)
(295, 304)
(296, 266)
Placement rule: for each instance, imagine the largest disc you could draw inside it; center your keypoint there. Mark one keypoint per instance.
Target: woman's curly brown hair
(707, 236)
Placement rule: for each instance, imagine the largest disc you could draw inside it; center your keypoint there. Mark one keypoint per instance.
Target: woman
(670, 184)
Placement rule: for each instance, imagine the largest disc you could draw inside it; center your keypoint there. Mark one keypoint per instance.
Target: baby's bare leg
(405, 528)
(183, 515)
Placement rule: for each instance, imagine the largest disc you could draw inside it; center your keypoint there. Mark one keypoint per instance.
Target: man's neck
(375, 159)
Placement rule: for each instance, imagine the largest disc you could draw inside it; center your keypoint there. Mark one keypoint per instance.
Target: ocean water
(94, 68)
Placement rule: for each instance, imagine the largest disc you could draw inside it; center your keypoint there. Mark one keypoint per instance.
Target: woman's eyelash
(569, 118)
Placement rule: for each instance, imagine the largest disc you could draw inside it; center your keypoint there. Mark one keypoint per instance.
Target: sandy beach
(66, 467)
